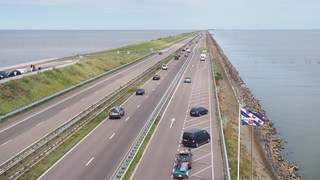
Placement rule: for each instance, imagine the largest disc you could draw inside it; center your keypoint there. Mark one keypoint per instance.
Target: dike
(270, 144)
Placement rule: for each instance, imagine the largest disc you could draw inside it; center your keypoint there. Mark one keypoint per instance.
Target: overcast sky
(159, 14)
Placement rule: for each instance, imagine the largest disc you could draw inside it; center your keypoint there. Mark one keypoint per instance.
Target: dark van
(195, 137)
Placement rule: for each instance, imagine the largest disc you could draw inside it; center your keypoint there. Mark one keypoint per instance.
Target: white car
(164, 66)
(203, 57)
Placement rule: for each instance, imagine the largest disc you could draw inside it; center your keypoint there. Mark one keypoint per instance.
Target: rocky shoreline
(266, 136)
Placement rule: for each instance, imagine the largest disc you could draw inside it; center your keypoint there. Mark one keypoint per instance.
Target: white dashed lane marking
(6, 142)
(89, 161)
(112, 135)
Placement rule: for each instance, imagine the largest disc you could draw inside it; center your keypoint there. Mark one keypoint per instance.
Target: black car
(140, 91)
(176, 57)
(195, 137)
(184, 156)
(14, 73)
(3, 75)
(160, 53)
(198, 111)
(156, 77)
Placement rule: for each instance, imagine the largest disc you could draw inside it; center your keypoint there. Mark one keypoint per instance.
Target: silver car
(116, 112)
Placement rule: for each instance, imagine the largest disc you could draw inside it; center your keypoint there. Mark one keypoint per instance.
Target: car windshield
(183, 157)
(187, 135)
(114, 110)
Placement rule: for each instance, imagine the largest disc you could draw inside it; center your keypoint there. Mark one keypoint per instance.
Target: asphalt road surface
(158, 159)
(23, 130)
(99, 154)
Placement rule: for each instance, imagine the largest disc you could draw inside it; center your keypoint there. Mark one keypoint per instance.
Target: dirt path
(267, 161)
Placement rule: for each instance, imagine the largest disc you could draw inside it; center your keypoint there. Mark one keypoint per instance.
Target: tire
(208, 141)
(197, 145)
(199, 114)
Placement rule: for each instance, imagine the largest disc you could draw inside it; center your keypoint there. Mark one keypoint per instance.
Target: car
(188, 50)
(116, 112)
(195, 137)
(186, 55)
(184, 156)
(176, 57)
(202, 57)
(187, 80)
(198, 111)
(180, 170)
(164, 67)
(140, 91)
(14, 73)
(160, 53)
(183, 49)
(3, 75)
(156, 77)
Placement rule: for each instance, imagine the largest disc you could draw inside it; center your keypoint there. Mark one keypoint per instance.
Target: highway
(20, 132)
(158, 159)
(99, 154)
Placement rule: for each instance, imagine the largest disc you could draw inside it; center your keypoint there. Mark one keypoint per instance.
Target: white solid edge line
(124, 70)
(71, 150)
(147, 147)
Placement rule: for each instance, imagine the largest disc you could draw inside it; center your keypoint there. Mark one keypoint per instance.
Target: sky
(158, 14)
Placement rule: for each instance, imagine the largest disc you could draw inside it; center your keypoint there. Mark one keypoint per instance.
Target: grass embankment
(229, 112)
(54, 156)
(17, 93)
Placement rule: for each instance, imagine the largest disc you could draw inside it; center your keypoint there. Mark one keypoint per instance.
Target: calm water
(19, 47)
(282, 68)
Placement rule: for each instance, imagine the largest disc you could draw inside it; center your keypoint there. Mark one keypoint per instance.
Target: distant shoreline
(28, 46)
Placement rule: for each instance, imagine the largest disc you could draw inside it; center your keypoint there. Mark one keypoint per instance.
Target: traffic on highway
(185, 144)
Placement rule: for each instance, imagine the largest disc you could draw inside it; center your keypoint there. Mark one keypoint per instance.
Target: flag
(246, 122)
(251, 118)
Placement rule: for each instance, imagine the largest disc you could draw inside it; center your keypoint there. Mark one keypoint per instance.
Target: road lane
(158, 159)
(22, 130)
(157, 162)
(109, 155)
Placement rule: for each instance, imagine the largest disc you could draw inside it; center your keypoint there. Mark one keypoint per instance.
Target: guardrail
(69, 89)
(225, 155)
(89, 114)
(80, 84)
(100, 106)
(126, 162)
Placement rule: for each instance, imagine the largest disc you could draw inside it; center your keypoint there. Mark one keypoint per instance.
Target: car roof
(193, 130)
(116, 107)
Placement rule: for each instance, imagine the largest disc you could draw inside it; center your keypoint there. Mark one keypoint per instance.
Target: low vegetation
(229, 112)
(138, 156)
(54, 156)
(17, 93)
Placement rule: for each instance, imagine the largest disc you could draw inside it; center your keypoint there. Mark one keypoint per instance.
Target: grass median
(56, 154)
(138, 156)
(17, 93)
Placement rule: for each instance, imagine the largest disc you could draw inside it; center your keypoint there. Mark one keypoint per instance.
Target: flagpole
(252, 128)
(239, 127)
